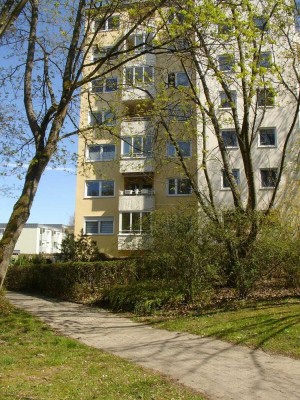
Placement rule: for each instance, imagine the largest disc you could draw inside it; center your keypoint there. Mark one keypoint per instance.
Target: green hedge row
(72, 281)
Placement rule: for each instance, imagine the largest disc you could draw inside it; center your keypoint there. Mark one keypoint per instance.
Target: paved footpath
(217, 369)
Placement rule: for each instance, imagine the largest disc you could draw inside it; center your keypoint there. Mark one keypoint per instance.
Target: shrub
(73, 281)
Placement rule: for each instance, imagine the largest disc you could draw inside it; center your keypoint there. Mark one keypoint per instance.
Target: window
(267, 137)
(225, 102)
(177, 79)
(265, 59)
(139, 75)
(111, 23)
(176, 187)
(140, 42)
(104, 85)
(229, 138)
(225, 181)
(179, 112)
(107, 118)
(225, 29)
(101, 152)
(226, 62)
(179, 44)
(99, 226)
(99, 188)
(261, 23)
(185, 148)
(175, 17)
(102, 52)
(268, 177)
(265, 98)
(137, 146)
(135, 222)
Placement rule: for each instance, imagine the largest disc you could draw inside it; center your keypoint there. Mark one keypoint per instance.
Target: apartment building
(166, 122)
(38, 238)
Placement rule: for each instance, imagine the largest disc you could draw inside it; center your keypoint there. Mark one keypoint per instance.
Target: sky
(54, 202)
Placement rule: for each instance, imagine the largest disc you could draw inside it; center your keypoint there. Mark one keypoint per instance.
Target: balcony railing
(138, 165)
(134, 200)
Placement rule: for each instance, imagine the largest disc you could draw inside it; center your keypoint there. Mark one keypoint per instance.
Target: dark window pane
(267, 137)
(230, 138)
(106, 227)
(91, 227)
(184, 186)
(92, 188)
(268, 177)
(107, 188)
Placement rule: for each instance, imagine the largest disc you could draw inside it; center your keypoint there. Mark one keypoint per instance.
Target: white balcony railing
(131, 93)
(131, 242)
(129, 165)
(140, 202)
(136, 126)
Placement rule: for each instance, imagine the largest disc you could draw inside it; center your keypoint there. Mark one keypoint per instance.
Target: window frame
(170, 146)
(173, 80)
(100, 186)
(132, 231)
(265, 59)
(135, 82)
(230, 57)
(103, 86)
(274, 134)
(262, 185)
(235, 146)
(106, 24)
(101, 158)
(99, 220)
(264, 96)
(177, 182)
(223, 102)
(145, 44)
(236, 172)
(93, 121)
(142, 154)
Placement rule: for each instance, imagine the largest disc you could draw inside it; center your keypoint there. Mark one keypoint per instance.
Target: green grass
(37, 364)
(273, 326)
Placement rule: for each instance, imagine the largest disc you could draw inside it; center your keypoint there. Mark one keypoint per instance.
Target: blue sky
(54, 202)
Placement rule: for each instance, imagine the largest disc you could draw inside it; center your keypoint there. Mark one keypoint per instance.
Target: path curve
(215, 368)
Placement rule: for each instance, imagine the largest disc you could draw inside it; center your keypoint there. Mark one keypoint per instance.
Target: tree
(57, 65)
(9, 12)
(240, 60)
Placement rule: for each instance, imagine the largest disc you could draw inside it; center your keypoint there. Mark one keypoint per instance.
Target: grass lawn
(273, 326)
(37, 364)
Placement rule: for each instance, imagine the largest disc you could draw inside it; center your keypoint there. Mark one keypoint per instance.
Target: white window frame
(230, 130)
(147, 38)
(273, 129)
(261, 180)
(171, 149)
(131, 231)
(179, 113)
(265, 57)
(105, 27)
(129, 140)
(103, 113)
(101, 152)
(266, 97)
(99, 220)
(177, 182)
(222, 95)
(101, 52)
(136, 82)
(104, 85)
(223, 67)
(236, 177)
(100, 185)
(173, 82)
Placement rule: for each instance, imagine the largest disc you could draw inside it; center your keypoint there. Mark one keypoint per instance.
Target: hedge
(72, 281)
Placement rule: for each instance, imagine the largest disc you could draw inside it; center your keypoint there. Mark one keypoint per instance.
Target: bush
(141, 297)
(72, 281)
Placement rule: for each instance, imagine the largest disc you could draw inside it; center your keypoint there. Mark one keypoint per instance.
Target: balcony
(136, 126)
(144, 59)
(131, 242)
(136, 165)
(144, 200)
(131, 93)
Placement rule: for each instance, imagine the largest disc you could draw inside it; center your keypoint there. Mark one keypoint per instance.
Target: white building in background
(39, 238)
